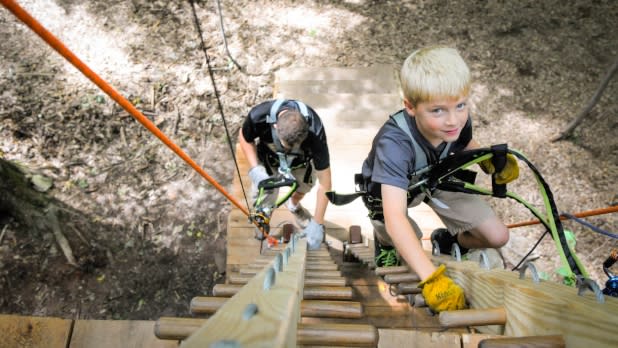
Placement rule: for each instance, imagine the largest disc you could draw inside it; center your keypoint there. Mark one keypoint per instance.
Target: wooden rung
(318, 253)
(347, 335)
(206, 304)
(552, 341)
(308, 308)
(225, 290)
(321, 266)
(261, 263)
(322, 274)
(473, 317)
(235, 278)
(328, 293)
(308, 273)
(381, 271)
(408, 288)
(331, 309)
(355, 235)
(309, 292)
(168, 328)
(318, 259)
(358, 246)
(419, 301)
(326, 281)
(401, 278)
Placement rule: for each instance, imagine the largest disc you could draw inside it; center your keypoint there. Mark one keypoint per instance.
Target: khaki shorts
(465, 212)
(303, 187)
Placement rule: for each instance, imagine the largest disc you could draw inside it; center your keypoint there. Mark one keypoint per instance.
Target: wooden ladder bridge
(289, 296)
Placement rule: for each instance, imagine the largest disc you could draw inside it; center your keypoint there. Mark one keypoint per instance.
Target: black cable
(220, 106)
(590, 226)
(531, 250)
(224, 39)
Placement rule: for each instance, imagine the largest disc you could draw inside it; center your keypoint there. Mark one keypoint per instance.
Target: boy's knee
(499, 237)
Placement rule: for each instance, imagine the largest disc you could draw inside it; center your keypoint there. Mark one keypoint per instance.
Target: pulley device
(611, 285)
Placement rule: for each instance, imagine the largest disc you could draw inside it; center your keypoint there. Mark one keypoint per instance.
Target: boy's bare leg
(491, 233)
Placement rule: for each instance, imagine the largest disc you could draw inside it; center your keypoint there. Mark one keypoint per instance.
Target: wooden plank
(34, 332)
(116, 333)
(274, 320)
(376, 72)
(545, 308)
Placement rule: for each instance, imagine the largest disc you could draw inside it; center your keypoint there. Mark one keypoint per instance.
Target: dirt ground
(157, 229)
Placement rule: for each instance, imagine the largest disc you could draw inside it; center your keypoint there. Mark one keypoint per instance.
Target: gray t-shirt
(391, 159)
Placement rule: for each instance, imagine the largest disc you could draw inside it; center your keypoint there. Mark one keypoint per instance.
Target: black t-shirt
(391, 159)
(314, 147)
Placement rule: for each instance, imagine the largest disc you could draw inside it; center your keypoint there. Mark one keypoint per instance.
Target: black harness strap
(499, 161)
(271, 118)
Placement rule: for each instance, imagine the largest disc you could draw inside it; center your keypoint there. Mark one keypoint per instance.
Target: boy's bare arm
(249, 149)
(324, 185)
(394, 202)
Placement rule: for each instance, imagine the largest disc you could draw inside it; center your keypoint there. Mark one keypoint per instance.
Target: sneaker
(385, 255)
(302, 216)
(445, 240)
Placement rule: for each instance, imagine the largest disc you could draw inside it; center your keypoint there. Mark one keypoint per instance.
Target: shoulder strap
(271, 119)
(274, 109)
(420, 161)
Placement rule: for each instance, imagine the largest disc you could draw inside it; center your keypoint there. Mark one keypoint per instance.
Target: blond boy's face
(441, 119)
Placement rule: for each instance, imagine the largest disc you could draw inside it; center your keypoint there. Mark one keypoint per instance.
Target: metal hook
(587, 283)
(456, 252)
(269, 279)
(278, 264)
(484, 259)
(533, 272)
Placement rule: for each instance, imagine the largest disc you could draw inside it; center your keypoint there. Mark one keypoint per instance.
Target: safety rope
(57, 45)
(612, 209)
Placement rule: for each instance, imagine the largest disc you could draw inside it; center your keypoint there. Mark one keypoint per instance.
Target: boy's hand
(508, 174)
(441, 293)
(257, 174)
(315, 235)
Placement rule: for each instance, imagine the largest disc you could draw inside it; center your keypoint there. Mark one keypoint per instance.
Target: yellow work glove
(508, 174)
(441, 293)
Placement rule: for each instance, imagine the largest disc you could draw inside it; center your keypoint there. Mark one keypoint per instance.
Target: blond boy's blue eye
(461, 106)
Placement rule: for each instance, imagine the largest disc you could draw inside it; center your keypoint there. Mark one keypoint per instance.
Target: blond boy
(435, 83)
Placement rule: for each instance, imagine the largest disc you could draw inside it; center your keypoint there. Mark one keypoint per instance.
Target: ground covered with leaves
(151, 231)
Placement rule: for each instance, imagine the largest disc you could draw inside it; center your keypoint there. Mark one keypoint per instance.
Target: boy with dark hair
(287, 136)
(434, 124)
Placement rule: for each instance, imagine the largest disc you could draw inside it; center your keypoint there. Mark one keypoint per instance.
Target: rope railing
(608, 210)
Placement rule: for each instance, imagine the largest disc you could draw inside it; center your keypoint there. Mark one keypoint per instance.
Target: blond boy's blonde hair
(434, 72)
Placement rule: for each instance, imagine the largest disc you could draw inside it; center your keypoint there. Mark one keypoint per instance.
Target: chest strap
(421, 163)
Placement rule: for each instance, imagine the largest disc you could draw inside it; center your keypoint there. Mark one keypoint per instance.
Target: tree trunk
(36, 210)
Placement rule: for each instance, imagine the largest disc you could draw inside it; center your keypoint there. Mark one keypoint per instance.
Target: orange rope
(607, 210)
(56, 44)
